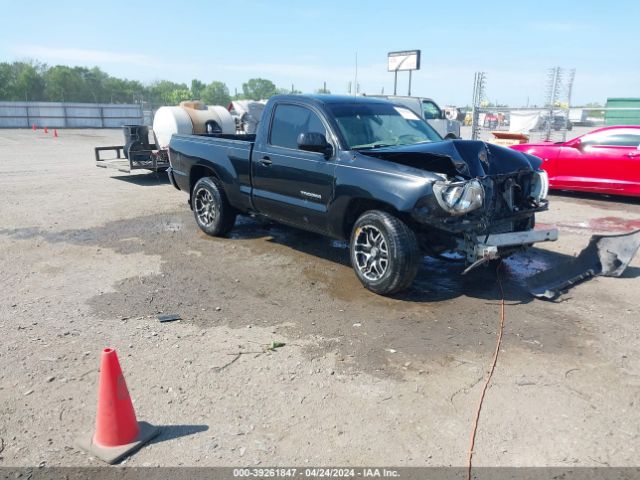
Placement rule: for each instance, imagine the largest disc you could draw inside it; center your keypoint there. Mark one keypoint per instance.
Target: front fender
(400, 191)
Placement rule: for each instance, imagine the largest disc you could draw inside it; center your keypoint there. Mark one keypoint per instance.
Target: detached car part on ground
(606, 255)
(370, 172)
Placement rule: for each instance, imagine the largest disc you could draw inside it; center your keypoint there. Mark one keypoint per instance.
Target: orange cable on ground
(486, 383)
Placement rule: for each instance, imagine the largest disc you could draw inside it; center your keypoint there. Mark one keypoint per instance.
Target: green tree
(62, 84)
(118, 90)
(216, 93)
(258, 89)
(6, 80)
(165, 92)
(95, 81)
(28, 81)
(197, 88)
(178, 95)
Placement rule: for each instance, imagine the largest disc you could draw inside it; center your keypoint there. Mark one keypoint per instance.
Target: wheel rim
(205, 207)
(371, 252)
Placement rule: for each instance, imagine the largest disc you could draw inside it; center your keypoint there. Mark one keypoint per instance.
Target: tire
(211, 209)
(378, 236)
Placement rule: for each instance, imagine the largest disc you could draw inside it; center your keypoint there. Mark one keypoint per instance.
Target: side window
(430, 111)
(289, 121)
(617, 138)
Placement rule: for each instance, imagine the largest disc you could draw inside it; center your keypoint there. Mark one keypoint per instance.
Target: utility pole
(355, 80)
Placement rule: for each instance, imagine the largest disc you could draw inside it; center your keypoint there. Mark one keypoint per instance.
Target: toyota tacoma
(372, 173)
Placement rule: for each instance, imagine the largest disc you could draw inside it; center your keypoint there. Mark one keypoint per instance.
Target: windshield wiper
(375, 145)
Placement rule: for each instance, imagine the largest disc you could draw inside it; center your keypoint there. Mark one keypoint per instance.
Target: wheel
(384, 252)
(211, 208)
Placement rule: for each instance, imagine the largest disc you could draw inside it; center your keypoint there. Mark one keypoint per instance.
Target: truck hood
(465, 158)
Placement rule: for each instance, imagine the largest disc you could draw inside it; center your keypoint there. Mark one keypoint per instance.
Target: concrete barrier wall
(68, 115)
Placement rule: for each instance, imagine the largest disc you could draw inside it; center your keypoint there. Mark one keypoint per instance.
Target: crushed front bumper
(483, 248)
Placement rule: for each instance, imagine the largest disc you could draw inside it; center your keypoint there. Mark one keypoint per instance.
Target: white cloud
(82, 55)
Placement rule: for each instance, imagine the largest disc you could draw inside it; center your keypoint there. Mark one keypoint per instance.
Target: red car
(606, 160)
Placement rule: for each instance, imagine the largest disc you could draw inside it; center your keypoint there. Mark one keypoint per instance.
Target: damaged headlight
(458, 198)
(540, 185)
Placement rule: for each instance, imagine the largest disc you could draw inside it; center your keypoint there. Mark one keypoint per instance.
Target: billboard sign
(406, 60)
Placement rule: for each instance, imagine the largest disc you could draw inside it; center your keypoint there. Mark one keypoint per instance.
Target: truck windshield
(376, 125)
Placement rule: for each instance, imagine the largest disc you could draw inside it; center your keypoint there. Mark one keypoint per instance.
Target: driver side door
(291, 185)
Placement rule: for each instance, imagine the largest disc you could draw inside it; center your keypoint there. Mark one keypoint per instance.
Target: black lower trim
(172, 178)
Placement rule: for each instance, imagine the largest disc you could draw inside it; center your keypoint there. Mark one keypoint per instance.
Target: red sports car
(606, 160)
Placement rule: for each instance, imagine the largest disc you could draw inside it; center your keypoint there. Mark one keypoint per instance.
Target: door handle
(266, 161)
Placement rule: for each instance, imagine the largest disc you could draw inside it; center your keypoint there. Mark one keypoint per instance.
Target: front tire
(384, 252)
(214, 215)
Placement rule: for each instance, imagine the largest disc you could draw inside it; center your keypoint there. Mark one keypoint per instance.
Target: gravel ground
(91, 256)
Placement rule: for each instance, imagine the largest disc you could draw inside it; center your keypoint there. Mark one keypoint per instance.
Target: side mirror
(314, 142)
(576, 143)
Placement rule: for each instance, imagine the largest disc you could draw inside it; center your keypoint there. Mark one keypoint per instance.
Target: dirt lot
(90, 257)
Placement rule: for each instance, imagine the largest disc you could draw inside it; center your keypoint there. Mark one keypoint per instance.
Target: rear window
(289, 121)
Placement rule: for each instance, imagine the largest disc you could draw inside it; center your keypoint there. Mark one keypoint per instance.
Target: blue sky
(306, 43)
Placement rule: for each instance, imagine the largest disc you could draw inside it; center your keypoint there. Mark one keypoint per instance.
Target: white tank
(189, 118)
(170, 120)
(226, 122)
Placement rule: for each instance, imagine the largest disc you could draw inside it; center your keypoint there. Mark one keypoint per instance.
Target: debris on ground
(170, 317)
(605, 255)
(275, 345)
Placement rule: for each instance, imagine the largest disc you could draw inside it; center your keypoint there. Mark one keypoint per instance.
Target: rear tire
(214, 215)
(384, 252)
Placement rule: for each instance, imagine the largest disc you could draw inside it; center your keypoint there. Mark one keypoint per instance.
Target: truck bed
(227, 156)
(228, 136)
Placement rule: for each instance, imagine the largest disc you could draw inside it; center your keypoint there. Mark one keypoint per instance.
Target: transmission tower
(558, 97)
(479, 85)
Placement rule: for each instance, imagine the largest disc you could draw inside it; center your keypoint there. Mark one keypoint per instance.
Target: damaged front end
(484, 206)
(488, 217)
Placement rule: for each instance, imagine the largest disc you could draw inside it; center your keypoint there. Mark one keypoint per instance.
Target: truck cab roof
(324, 99)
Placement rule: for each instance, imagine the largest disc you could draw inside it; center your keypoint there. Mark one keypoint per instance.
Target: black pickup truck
(370, 172)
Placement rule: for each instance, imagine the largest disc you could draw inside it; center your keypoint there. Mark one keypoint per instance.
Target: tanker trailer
(190, 117)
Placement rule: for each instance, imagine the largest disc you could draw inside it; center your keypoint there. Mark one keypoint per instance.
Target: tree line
(33, 81)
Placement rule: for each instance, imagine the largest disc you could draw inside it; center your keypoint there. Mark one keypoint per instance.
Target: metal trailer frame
(154, 160)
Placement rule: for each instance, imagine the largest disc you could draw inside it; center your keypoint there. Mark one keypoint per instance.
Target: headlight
(458, 198)
(540, 185)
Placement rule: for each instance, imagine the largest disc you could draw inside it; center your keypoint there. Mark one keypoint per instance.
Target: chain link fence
(546, 124)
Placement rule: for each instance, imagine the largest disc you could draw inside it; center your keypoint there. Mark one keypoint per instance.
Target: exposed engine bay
(485, 202)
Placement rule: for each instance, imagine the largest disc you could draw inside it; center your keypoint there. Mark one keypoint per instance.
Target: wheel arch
(199, 171)
(357, 206)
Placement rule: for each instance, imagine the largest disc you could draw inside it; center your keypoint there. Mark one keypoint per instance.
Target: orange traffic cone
(46, 130)
(117, 433)
(55, 133)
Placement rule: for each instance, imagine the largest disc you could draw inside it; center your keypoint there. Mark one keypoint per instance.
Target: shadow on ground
(170, 432)
(144, 179)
